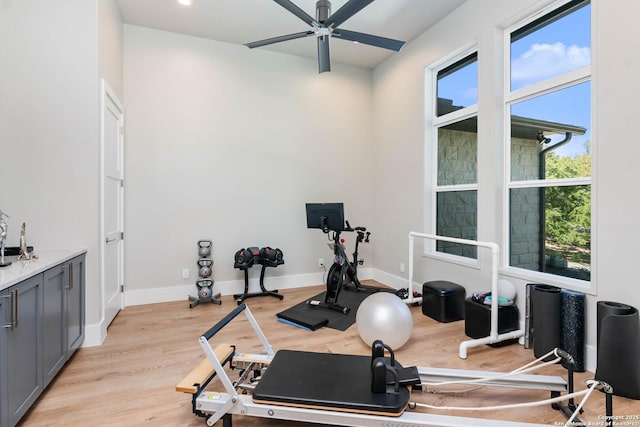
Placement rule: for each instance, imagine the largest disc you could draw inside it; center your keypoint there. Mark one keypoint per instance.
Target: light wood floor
(130, 379)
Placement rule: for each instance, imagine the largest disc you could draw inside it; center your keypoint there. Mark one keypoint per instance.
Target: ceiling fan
(325, 25)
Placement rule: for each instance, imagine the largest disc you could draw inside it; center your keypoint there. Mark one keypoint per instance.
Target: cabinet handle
(15, 303)
(13, 306)
(70, 279)
(70, 276)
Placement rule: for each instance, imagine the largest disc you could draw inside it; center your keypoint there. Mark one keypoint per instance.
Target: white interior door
(112, 204)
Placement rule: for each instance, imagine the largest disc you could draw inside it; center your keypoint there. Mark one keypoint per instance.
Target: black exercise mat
(572, 304)
(303, 313)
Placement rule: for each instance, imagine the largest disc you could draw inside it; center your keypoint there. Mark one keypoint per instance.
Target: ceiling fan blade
(298, 12)
(324, 59)
(349, 9)
(369, 39)
(279, 39)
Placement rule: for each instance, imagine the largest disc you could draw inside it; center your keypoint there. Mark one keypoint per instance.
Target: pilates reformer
(350, 390)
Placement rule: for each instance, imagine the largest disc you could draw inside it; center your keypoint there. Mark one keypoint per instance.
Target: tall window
(549, 143)
(456, 125)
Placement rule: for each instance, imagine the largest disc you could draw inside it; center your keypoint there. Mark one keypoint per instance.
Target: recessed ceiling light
(185, 2)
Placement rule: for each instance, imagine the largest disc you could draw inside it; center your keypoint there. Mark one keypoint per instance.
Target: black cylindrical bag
(545, 303)
(618, 339)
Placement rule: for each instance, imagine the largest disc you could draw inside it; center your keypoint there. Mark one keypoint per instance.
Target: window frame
(433, 124)
(550, 85)
(493, 115)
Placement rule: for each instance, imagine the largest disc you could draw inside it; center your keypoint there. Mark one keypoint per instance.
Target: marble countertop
(22, 270)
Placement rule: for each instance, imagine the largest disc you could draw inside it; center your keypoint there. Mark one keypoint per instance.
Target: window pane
(551, 135)
(456, 216)
(458, 153)
(457, 85)
(551, 230)
(555, 44)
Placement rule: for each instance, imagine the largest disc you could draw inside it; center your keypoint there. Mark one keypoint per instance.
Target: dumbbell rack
(205, 269)
(244, 260)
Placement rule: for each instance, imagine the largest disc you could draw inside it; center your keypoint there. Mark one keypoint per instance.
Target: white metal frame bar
(494, 336)
(212, 402)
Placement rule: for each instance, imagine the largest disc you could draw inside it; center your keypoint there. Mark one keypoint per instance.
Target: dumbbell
(243, 256)
(271, 255)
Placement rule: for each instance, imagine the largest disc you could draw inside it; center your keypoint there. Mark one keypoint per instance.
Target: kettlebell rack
(205, 269)
(244, 259)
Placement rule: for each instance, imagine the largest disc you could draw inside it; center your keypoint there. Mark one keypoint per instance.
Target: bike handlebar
(349, 228)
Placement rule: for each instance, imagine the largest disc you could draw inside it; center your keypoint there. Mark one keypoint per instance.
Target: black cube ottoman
(477, 322)
(443, 301)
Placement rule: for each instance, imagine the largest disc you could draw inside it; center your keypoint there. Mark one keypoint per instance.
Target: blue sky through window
(561, 46)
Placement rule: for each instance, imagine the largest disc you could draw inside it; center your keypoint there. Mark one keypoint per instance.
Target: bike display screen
(325, 216)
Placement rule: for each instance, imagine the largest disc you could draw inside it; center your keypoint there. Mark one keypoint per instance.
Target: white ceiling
(243, 21)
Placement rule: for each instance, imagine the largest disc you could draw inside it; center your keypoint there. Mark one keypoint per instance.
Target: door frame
(109, 95)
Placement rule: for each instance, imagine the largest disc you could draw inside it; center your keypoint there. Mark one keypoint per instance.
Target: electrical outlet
(320, 262)
(185, 273)
(402, 267)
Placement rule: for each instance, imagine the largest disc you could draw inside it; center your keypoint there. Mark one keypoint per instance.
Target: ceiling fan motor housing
(323, 10)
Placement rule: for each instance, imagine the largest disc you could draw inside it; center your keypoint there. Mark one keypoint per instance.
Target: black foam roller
(572, 333)
(618, 339)
(545, 304)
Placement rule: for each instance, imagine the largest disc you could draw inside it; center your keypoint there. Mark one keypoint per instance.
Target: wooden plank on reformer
(340, 382)
(204, 370)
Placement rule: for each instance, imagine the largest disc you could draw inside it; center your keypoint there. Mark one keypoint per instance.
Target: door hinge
(122, 288)
(122, 183)
(122, 235)
(122, 130)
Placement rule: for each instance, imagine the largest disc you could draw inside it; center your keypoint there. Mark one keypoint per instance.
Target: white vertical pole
(410, 297)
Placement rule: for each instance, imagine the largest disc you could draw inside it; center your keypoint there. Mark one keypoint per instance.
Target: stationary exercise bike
(343, 272)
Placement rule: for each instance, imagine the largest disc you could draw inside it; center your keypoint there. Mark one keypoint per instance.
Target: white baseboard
(590, 358)
(389, 279)
(94, 334)
(182, 292)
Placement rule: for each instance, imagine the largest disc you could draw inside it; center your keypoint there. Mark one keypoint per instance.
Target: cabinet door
(75, 305)
(55, 322)
(21, 350)
(5, 322)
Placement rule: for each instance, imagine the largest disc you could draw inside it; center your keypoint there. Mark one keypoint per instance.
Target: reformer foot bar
(271, 385)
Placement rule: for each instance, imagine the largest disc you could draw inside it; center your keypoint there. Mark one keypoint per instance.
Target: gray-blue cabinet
(75, 305)
(42, 321)
(54, 348)
(21, 344)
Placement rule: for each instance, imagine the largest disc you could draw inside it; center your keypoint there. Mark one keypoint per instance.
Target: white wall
(227, 143)
(400, 145)
(110, 45)
(49, 127)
